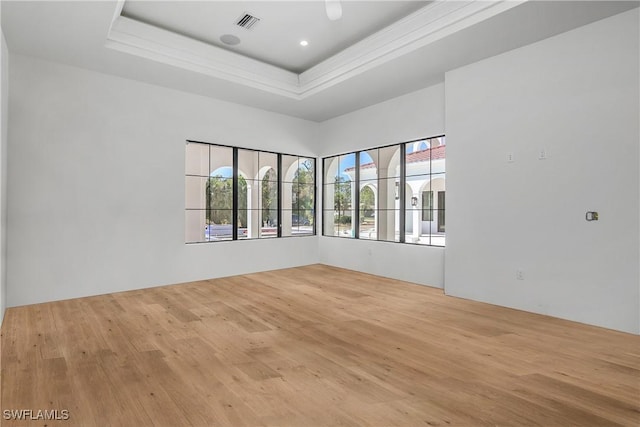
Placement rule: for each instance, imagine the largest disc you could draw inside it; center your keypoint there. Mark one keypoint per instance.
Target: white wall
(412, 116)
(576, 96)
(4, 113)
(416, 115)
(96, 201)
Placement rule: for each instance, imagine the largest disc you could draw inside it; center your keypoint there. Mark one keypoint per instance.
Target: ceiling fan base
(334, 9)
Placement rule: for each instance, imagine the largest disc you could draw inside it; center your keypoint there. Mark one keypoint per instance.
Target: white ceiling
(275, 39)
(410, 54)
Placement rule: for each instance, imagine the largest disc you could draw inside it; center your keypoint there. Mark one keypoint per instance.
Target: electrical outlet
(510, 158)
(592, 216)
(519, 275)
(543, 154)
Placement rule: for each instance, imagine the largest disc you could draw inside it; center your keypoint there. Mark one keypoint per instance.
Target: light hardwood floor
(312, 346)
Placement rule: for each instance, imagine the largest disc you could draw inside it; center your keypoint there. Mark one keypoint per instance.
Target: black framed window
(387, 193)
(339, 194)
(299, 195)
(235, 193)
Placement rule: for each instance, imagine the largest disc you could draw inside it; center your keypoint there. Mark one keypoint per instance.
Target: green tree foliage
(342, 196)
(242, 202)
(219, 199)
(367, 202)
(270, 197)
(303, 190)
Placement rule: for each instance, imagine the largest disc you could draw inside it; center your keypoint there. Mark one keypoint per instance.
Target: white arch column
(329, 196)
(329, 213)
(287, 203)
(388, 165)
(289, 168)
(416, 224)
(253, 213)
(376, 197)
(354, 208)
(386, 222)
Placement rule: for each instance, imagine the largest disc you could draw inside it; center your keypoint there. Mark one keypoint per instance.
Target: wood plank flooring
(311, 346)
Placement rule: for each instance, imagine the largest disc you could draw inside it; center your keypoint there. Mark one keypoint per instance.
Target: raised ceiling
(409, 54)
(275, 38)
(429, 23)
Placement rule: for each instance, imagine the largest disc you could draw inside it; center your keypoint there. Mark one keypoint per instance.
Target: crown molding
(427, 25)
(147, 41)
(423, 27)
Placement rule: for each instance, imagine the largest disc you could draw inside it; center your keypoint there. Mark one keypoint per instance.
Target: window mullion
(208, 213)
(234, 215)
(356, 199)
(280, 195)
(403, 191)
(315, 197)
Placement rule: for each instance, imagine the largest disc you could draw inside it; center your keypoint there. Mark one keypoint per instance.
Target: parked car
(222, 231)
(299, 220)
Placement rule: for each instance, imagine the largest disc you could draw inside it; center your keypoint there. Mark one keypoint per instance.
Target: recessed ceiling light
(304, 43)
(229, 39)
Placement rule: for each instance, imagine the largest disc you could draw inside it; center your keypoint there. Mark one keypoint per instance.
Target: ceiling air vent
(247, 21)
